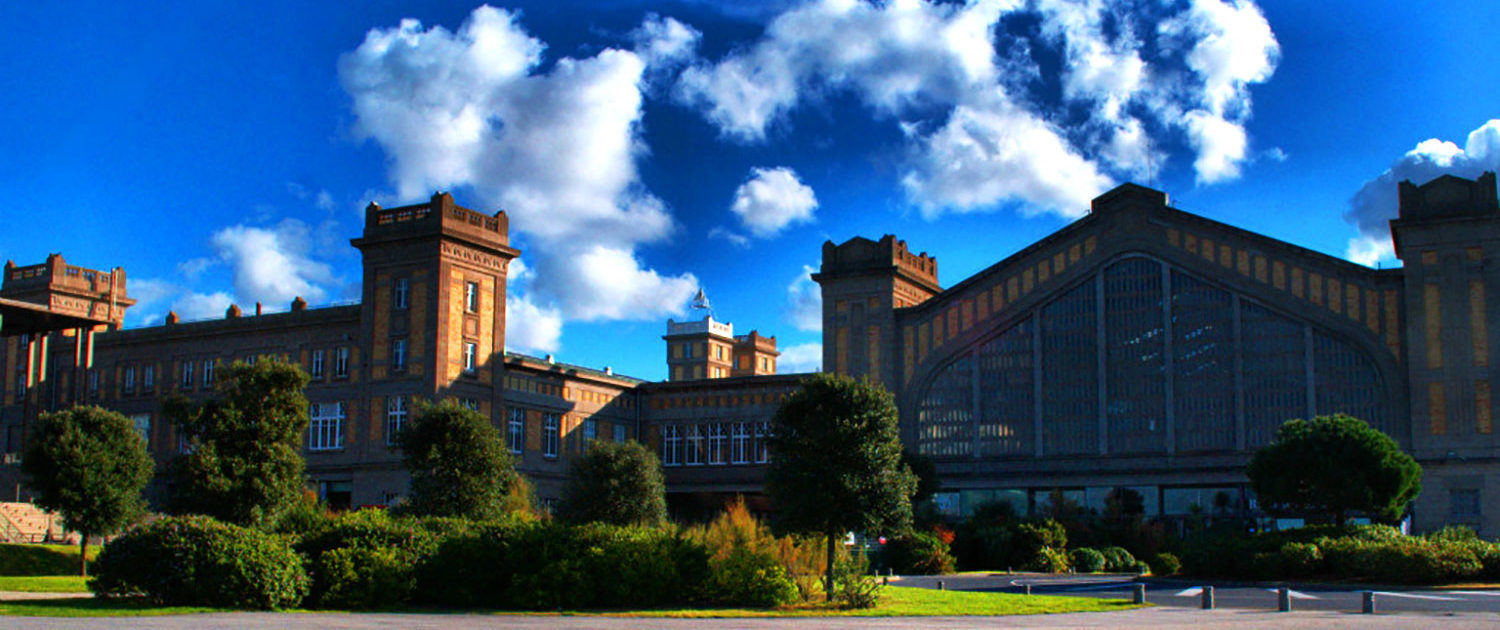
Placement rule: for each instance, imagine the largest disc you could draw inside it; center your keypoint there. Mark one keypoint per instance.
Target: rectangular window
(94, 381)
(395, 418)
(20, 385)
(142, 424)
(317, 364)
(187, 375)
(671, 445)
(619, 433)
(398, 296)
(472, 404)
(341, 363)
(590, 430)
(739, 443)
(516, 430)
(471, 297)
(148, 377)
(470, 352)
(716, 443)
(398, 354)
(326, 429)
(694, 452)
(762, 450)
(325, 432)
(1463, 504)
(250, 360)
(130, 380)
(550, 430)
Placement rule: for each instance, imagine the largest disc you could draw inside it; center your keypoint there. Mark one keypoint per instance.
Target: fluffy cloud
(1003, 132)
(1376, 203)
(803, 357)
(555, 149)
(273, 265)
(771, 199)
(804, 301)
(531, 328)
(155, 297)
(665, 41)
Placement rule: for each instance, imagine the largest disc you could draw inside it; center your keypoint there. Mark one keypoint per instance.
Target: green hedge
(1378, 553)
(1086, 560)
(918, 553)
(198, 561)
(365, 559)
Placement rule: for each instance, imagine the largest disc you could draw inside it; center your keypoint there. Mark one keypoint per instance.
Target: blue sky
(221, 152)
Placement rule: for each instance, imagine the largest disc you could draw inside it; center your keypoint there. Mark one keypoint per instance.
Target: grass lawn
(912, 602)
(76, 607)
(894, 602)
(41, 559)
(45, 584)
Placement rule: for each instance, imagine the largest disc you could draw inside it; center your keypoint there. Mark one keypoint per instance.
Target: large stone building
(1141, 347)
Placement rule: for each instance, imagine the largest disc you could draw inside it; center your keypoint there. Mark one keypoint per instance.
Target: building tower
(1448, 237)
(864, 282)
(433, 312)
(699, 348)
(754, 355)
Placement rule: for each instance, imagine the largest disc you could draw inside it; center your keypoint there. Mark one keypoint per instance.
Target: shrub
(362, 578)
(1045, 533)
(1087, 560)
(392, 545)
(855, 588)
(471, 567)
(749, 578)
(198, 561)
(1117, 559)
(1453, 533)
(919, 553)
(1298, 560)
(1165, 563)
(602, 566)
(1048, 560)
(1488, 554)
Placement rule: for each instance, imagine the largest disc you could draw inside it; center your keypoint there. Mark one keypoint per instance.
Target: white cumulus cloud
(983, 126)
(803, 357)
(1377, 202)
(273, 265)
(531, 328)
(804, 301)
(556, 150)
(772, 199)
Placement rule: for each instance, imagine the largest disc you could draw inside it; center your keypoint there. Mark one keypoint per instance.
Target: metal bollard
(891, 572)
(885, 581)
(940, 585)
(1140, 594)
(1208, 598)
(1284, 599)
(1026, 589)
(1369, 607)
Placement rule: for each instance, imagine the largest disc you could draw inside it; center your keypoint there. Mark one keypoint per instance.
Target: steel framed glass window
(326, 430)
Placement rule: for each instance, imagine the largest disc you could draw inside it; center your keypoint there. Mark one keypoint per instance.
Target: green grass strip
(45, 584)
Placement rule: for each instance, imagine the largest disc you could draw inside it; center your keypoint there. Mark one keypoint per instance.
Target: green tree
(618, 483)
(459, 466)
(922, 466)
(243, 461)
(1332, 466)
(836, 463)
(88, 465)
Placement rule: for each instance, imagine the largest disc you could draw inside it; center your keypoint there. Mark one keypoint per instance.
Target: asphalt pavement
(1186, 594)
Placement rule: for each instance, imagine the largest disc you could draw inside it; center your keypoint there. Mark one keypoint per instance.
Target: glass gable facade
(1143, 358)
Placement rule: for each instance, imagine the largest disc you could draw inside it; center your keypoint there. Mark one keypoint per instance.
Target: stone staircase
(27, 523)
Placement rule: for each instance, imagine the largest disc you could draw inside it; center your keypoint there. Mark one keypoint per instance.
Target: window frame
(325, 430)
(399, 294)
(396, 414)
(515, 430)
(551, 434)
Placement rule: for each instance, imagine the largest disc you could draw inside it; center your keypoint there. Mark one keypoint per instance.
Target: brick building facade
(1141, 346)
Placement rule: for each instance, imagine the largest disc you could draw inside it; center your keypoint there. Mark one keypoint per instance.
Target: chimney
(257, 309)
(609, 370)
(171, 317)
(299, 304)
(233, 312)
(550, 359)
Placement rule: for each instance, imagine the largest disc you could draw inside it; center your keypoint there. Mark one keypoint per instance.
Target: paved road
(1158, 618)
(1333, 599)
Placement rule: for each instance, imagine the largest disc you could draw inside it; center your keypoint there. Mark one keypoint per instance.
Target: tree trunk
(828, 570)
(83, 554)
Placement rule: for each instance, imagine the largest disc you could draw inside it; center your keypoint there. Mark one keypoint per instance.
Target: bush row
(371, 560)
(1372, 552)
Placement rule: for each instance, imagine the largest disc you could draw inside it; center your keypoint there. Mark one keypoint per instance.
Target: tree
(88, 465)
(619, 483)
(922, 466)
(459, 466)
(836, 462)
(243, 461)
(1331, 466)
